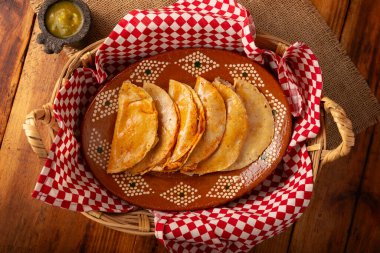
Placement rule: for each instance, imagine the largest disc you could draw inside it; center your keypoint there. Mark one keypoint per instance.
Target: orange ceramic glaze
(177, 191)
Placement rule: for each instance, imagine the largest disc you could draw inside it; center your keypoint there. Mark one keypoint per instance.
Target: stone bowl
(54, 44)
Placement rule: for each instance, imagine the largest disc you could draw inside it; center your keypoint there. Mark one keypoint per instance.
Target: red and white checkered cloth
(271, 207)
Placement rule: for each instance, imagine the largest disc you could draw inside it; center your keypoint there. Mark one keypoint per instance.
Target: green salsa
(63, 19)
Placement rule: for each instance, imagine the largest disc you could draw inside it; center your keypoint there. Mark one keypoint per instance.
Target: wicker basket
(141, 222)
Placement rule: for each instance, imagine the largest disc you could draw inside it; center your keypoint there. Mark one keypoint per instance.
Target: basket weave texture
(141, 222)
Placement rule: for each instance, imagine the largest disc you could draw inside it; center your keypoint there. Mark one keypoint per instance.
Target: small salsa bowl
(54, 43)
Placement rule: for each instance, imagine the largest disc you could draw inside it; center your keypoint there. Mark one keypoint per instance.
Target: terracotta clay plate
(176, 191)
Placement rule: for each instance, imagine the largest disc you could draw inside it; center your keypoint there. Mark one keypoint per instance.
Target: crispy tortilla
(190, 129)
(234, 135)
(201, 122)
(135, 129)
(260, 124)
(215, 113)
(168, 126)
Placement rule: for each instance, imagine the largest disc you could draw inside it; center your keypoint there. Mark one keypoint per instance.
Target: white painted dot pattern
(278, 112)
(226, 187)
(197, 63)
(148, 70)
(245, 72)
(99, 149)
(181, 194)
(105, 104)
(132, 185)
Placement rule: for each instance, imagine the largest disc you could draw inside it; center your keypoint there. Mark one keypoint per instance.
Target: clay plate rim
(286, 136)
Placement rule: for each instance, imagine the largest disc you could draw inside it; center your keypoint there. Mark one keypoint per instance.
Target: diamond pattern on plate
(279, 113)
(246, 72)
(105, 104)
(197, 63)
(148, 70)
(99, 149)
(226, 187)
(132, 185)
(181, 194)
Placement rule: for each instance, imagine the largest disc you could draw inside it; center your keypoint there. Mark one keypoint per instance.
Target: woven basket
(141, 222)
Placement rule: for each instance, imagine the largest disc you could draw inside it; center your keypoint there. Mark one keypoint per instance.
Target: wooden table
(344, 215)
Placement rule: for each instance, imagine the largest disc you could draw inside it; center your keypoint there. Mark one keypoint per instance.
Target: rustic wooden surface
(342, 217)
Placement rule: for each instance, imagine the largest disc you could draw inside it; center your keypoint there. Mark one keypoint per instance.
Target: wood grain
(99, 238)
(40, 226)
(16, 19)
(278, 243)
(160, 248)
(342, 217)
(361, 37)
(43, 227)
(327, 220)
(318, 231)
(364, 234)
(333, 12)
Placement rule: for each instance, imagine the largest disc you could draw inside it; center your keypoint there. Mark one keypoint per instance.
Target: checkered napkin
(271, 207)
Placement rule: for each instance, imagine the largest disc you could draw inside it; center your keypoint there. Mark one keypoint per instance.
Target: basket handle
(32, 132)
(344, 125)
